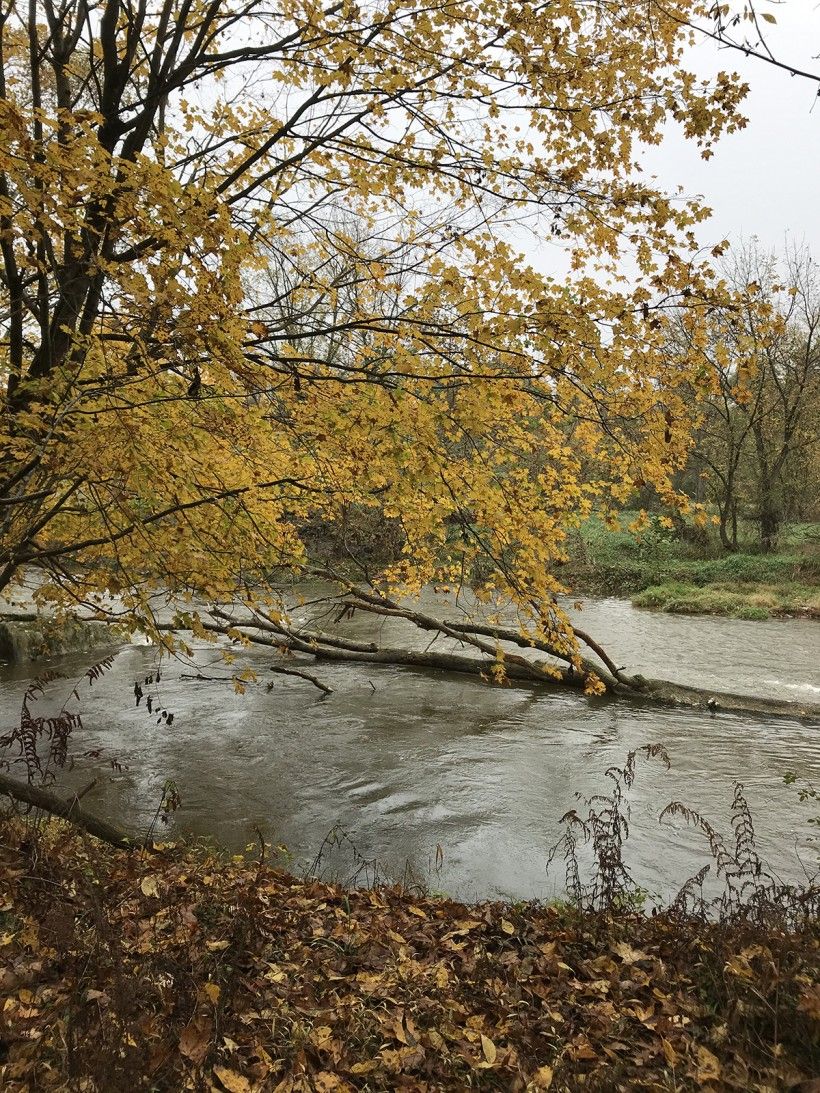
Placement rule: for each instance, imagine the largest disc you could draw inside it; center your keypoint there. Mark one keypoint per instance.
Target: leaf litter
(184, 970)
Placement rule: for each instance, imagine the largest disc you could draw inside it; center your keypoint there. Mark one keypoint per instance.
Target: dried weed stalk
(28, 736)
(605, 828)
(751, 891)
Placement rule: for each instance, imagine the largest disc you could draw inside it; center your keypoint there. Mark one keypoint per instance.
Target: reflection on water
(407, 762)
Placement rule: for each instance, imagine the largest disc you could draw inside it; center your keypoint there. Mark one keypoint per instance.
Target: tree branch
(70, 809)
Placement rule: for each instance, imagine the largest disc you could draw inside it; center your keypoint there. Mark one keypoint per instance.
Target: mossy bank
(39, 637)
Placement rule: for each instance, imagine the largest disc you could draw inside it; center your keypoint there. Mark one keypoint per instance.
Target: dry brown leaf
(488, 1048)
(582, 1050)
(669, 1053)
(398, 1030)
(326, 1082)
(739, 967)
(708, 1065)
(628, 954)
(321, 1035)
(194, 1040)
(149, 887)
(232, 1081)
(646, 1015)
(437, 1041)
(542, 1078)
(364, 1067)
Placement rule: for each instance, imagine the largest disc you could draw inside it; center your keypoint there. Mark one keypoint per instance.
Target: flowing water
(458, 782)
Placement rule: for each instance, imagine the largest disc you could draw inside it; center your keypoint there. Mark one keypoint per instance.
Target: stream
(442, 778)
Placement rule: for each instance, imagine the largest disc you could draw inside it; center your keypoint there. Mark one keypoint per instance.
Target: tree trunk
(728, 513)
(769, 508)
(727, 507)
(69, 808)
(769, 520)
(734, 525)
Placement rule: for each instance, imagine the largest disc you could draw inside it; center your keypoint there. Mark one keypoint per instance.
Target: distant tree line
(756, 450)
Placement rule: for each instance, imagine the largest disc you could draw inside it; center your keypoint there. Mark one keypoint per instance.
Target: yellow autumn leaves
(267, 267)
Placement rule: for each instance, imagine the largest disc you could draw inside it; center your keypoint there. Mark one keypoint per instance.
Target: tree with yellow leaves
(260, 263)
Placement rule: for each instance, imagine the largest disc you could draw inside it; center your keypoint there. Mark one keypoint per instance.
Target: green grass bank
(659, 569)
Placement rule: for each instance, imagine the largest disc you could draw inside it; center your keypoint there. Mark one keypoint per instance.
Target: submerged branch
(302, 675)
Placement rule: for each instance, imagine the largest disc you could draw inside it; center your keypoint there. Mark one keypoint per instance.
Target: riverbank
(39, 636)
(183, 970)
(734, 600)
(659, 570)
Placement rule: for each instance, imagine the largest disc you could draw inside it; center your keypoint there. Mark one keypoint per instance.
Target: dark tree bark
(69, 808)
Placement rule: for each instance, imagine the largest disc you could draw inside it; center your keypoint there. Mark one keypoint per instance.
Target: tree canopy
(262, 263)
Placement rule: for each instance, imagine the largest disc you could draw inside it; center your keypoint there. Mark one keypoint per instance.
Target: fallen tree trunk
(492, 659)
(664, 692)
(69, 808)
(516, 668)
(637, 688)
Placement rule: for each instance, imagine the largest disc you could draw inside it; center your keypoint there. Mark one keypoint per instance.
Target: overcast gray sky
(764, 180)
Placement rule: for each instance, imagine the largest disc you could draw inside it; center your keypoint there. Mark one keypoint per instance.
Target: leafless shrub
(605, 828)
(751, 891)
(32, 730)
(366, 872)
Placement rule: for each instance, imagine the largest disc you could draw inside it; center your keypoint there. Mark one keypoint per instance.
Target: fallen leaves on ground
(182, 971)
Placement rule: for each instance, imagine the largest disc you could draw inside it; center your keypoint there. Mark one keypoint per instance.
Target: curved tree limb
(378, 599)
(282, 670)
(465, 630)
(316, 645)
(69, 808)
